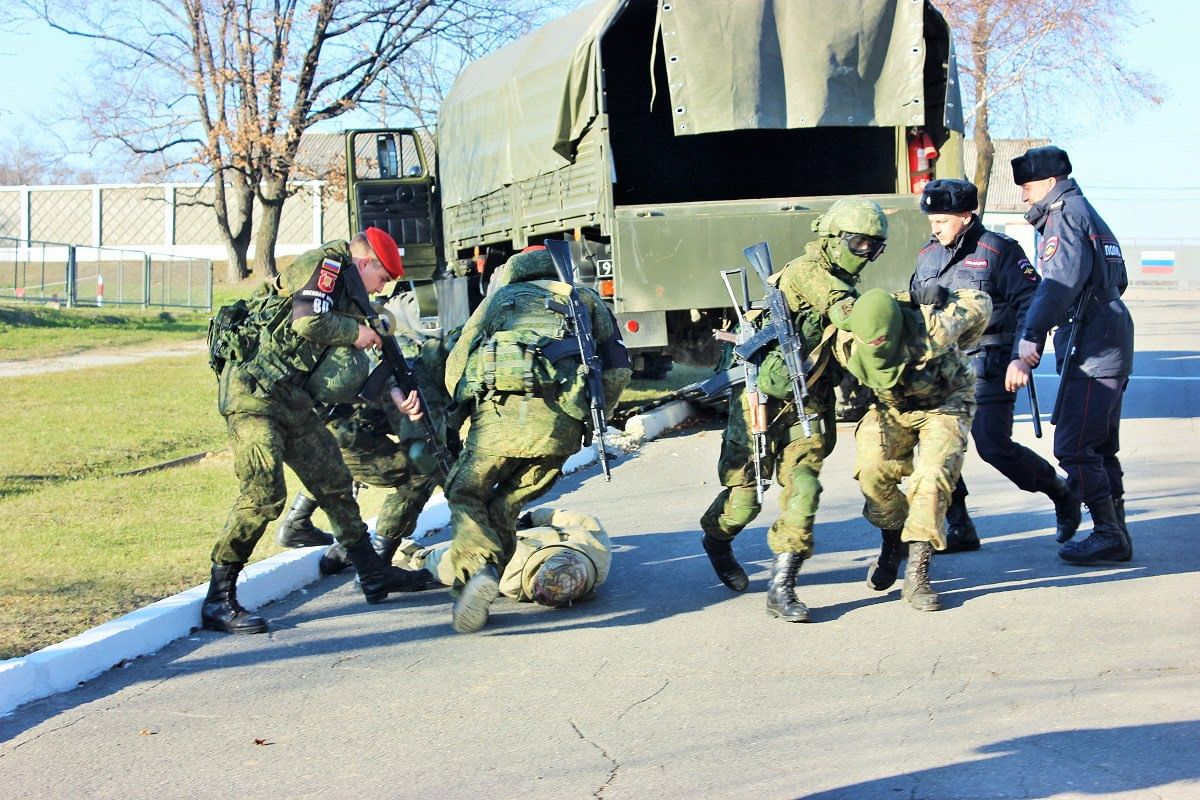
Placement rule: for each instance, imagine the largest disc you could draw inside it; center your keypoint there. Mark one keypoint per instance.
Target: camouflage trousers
(376, 459)
(261, 446)
(486, 494)
(795, 461)
(886, 441)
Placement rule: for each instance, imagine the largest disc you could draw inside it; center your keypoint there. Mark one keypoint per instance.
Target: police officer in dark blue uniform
(962, 254)
(1083, 279)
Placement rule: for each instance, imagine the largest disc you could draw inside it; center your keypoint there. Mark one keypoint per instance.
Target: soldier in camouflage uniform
(819, 286)
(268, 409)
(519, 439)
(911, 356)
(560, 557)
(382, 448)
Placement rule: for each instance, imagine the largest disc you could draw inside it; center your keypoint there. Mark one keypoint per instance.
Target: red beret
(386, 251)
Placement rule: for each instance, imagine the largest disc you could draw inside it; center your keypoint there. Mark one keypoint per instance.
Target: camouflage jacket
(321, 316)
(816, 295)
(523, 425)
(936, 372)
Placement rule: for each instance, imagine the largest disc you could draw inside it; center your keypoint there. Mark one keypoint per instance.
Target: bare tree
(22, 162)
(229, 86)
(1027, 63)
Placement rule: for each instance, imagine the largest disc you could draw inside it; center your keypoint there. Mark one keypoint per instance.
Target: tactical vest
(531, 352)
(257, 335)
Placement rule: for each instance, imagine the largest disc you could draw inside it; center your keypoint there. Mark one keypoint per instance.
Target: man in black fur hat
(960, 254)
(1083, 278)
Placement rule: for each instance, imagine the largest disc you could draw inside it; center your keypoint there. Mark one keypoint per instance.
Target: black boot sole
(220, 627)
(774, 612)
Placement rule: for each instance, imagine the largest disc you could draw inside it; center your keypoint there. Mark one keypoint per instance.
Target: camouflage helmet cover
(561, 578)
(852, 215)
(339, 376)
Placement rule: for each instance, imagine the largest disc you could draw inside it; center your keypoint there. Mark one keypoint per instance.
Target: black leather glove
(931, 294)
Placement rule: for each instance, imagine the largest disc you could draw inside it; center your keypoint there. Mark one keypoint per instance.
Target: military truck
(661, 138)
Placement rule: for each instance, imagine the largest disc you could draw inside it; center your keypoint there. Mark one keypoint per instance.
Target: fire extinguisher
(921, 155)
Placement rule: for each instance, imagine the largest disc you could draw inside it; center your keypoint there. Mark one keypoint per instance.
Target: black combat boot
(720, 554)
(781, 588)
(1067, 514)
(221, 611)
(882, 574)
(1119, 507)
(961, 536)
(297, 530)
(916, 589)
(473, 604)
(385, 546)
(334, 560)
(1107, 542)
(378, 579)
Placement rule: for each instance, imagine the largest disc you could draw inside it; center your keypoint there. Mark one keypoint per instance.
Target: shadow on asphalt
(1091, 761)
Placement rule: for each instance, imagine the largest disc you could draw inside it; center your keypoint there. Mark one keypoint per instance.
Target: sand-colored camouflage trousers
(486, 494)
(376, 459)
(928, 448)
(261, 445)
(793, 459)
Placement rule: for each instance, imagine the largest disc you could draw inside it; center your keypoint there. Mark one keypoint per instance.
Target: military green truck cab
(662, 138)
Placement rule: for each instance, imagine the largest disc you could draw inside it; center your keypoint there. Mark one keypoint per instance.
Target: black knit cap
(1040, 163)
(949, 196)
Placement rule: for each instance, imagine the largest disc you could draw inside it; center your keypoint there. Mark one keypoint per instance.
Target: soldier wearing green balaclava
(911, 357)
(820, 287)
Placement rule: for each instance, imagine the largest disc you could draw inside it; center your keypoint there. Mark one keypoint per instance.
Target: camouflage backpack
(530, 352)
(234, 331)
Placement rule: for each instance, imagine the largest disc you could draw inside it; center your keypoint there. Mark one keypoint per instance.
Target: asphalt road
(1036, 680)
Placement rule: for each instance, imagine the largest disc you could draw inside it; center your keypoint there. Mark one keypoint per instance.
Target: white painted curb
(63, 666)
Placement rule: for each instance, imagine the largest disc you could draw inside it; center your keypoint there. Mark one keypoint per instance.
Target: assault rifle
(393, 365)
(756, 400)
(579, 320)
(1069, 358)
(791, 347)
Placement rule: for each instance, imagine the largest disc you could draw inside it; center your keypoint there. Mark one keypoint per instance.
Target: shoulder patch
(975, 263)
(1027, 269)
(1050, 248)
(332, 265)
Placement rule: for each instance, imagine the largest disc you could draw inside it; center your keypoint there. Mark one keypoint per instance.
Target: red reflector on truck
(632, 326)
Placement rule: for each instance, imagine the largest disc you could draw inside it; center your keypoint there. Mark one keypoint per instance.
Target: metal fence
(84, 275)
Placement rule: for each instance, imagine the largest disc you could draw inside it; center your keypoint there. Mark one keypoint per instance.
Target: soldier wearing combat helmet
(820, 287)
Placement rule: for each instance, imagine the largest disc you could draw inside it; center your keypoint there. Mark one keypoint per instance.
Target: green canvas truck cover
(519, 112)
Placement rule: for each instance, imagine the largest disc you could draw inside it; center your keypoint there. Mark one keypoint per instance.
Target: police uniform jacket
(996, 265)
(1079, 251)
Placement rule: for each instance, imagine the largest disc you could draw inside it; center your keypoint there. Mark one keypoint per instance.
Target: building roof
(1004, 196)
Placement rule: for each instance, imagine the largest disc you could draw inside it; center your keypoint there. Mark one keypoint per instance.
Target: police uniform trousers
(486, 494)
(794, 459)
(261, 445)
(1088, 436)
(374, 458)
(991, 430)
(925, 446)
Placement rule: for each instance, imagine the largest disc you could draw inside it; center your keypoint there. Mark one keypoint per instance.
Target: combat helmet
(561, 579)
(339, 376)
(853, 231)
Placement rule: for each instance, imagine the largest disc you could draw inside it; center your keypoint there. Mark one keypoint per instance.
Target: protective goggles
(863, 246)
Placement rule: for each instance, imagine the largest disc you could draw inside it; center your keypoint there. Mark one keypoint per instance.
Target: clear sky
(1143, 173)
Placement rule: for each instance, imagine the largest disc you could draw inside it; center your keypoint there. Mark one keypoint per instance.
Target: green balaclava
(852, 218)
(877, 355)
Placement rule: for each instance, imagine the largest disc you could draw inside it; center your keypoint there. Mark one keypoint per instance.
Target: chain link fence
(82, 275)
